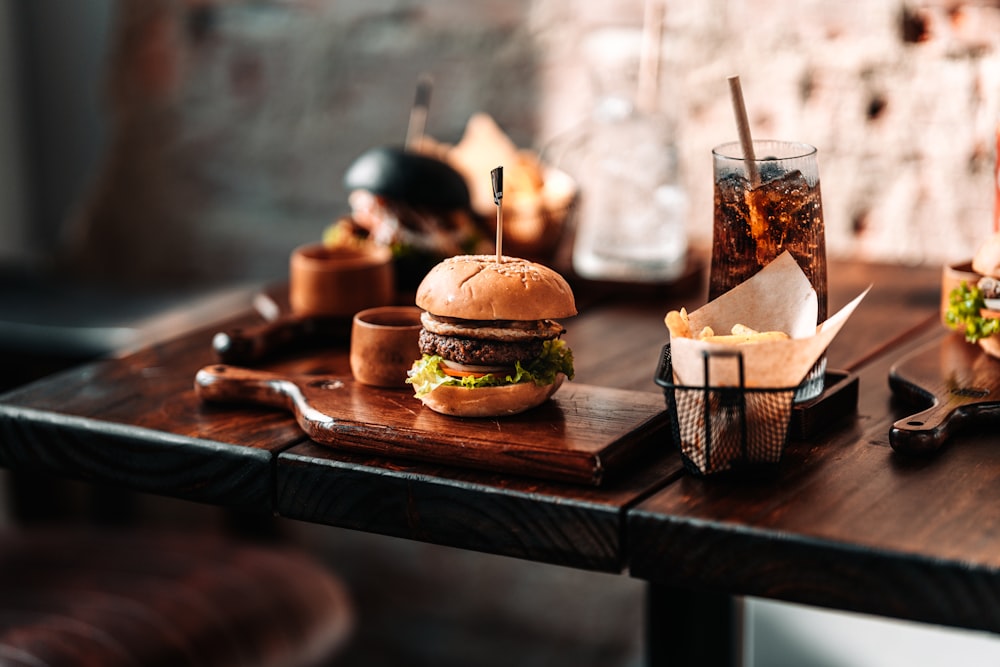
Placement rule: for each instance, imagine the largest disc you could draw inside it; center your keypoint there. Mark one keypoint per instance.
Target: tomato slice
(991, 314)
(455, 373)
(455, 369)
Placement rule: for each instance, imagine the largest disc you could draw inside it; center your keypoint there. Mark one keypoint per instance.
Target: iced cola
(756, 221)
(753, 225)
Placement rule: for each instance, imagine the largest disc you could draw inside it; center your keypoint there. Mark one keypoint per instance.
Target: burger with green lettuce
(974, 309)
(491, 342)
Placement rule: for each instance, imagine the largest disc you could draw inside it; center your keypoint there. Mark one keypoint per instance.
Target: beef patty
(481, 352)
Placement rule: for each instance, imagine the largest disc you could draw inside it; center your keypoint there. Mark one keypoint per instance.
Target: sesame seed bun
(478, 287)
(987, 259)
(991, 345)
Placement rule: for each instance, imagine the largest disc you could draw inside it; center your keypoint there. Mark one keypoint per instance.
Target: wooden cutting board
(955, 381)
(583, 434)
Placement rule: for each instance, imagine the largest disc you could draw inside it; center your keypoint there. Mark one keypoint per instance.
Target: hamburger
(414, 204)
(490, 341)
(975, 309)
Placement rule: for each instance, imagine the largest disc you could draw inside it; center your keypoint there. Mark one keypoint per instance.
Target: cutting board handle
(247, 345)
(926, 431)
(232, 384)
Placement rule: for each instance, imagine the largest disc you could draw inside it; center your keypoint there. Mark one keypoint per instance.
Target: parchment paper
(778, 298)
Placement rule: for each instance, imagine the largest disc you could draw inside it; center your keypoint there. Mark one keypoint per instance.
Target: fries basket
(725, 429)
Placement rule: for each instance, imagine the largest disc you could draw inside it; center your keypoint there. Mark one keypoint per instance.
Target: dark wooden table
(843, 522)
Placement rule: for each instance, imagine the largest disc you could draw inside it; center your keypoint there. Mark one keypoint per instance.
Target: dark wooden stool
(107, 598)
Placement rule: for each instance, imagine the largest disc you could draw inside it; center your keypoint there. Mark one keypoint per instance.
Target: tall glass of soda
(762, 208)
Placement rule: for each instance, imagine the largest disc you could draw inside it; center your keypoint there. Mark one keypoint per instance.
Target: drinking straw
(743, 125)
(497, 177)
(647, 92)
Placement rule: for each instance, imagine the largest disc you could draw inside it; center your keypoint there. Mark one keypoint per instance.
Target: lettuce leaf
(426, 375)
(964, 304)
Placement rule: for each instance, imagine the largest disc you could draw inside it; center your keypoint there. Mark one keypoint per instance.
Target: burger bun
(987, 259)
(407, 177)
(991, 345)
(499, 401)
(478, 287)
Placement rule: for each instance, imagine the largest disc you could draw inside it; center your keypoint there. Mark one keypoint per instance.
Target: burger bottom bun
(490, 401)
(991, 345)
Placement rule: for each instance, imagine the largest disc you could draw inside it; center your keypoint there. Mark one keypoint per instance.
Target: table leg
(687, 628)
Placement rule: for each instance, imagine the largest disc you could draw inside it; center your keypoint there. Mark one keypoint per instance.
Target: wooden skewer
(418, 112)
(497, 176)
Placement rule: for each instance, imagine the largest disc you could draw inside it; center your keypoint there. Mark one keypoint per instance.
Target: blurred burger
(975, 309)
(490, 341)
(415, 204)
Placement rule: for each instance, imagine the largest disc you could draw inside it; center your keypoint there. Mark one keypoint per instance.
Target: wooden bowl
(339, 282)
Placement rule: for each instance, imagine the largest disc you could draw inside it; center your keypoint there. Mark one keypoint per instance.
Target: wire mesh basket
(722, 429)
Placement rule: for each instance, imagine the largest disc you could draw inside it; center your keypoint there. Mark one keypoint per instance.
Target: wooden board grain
(955, 383)
(583, 434)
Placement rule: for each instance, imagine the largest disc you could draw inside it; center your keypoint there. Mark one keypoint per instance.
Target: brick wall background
(232, 121)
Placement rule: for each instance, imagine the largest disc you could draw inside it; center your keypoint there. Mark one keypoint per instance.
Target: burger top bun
(500, 401)
(987, 259)
(478, 287)
(411, 178)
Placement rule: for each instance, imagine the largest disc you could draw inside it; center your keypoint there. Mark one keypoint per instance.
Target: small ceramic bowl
(384, 345)
(338, 282)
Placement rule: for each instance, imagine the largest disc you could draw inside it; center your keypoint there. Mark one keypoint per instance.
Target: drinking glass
(634, 208)
(756, 222)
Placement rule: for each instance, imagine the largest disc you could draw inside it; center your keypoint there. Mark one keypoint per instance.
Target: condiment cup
(338, 282)
(384, 344)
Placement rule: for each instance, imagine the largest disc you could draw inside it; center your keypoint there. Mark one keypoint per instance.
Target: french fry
(678, 324)
(740, 334)
(742, 330)
(747, 339)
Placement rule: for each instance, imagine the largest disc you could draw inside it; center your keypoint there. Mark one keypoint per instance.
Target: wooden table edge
(38, 429)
